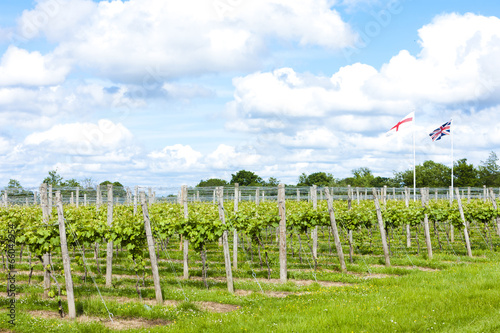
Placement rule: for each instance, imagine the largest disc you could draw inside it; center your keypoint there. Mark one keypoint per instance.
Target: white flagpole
(451, 154)
(414, 174)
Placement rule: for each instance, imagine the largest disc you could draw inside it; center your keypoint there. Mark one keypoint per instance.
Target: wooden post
(85, 199)
(494, 202)
(109, 250)
(49, 211)
(349, 231)
(381, 228)
(185, 247)
(282, 227)
(466, 233)
(485, 196)
(314, 233)
(257, 198)
(129, 196)
(385, 195)
(98, 197)
(235, 232)
(77, 199)
(298, 194)
(408, 230)
(65, 258)
(72, 200)
(136, 194)
(225, 243)
(151, 248)
(46, 260)
(150, 195)
(426, 226)
(357, 194)
(394, 193)
(335, 232)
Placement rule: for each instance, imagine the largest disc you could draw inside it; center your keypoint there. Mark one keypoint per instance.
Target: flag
(445, 129)
(408, 119)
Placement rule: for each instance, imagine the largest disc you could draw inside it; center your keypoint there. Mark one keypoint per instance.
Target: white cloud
(86, 139)
(175, 158)
(186, 91)
(458, 63)
(20, 67)
(228, 157)
(123, 39)
(56, 19)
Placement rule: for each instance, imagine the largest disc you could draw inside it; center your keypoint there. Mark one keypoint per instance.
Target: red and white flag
(403, 123)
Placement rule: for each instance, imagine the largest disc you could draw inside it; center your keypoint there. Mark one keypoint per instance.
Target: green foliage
(429, 174)
(317, 178)
(465, 174)
(489, 171)
(246, 178)
(212, 182)
(53, 178)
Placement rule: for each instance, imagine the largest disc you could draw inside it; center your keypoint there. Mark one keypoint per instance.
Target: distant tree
(465, 174)
(71, 183)
(363, 177)
(489, 171)
(15, 189)
(382, 181)
(317, 178)
(118, 189)
(429, 174)
(87, 182)
(272, 182)
(14, 184)
(53, 178)
(246, 178)
(212, 182)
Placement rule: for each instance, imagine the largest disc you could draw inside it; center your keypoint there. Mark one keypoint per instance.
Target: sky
(165, 93)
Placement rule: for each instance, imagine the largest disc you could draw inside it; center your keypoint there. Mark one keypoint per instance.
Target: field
(452, 292)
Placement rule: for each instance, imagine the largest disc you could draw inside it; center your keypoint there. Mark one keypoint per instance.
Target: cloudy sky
(168, 92)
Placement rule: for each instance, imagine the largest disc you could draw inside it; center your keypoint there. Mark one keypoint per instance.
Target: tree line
(87, 186)
(429, 174)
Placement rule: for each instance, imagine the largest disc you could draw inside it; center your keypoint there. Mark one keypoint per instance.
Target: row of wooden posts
(46, 211)
(260, 195)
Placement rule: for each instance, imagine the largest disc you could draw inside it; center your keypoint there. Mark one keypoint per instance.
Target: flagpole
(414, 174)
(451, 154)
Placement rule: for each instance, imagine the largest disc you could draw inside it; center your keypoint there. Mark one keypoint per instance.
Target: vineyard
(230, 261)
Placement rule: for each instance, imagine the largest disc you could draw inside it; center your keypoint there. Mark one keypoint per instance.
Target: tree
(88, 183)
(53, 178)
(212, 182)
(465, 174)
(317, 178)
(429, 174)
(274, 182)
(14, 184)
(15, 189)
(118, 189)
(71, 183)
(246, 178)
(363, 177)
(489, 171)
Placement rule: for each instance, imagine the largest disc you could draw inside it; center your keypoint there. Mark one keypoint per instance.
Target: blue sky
(164, 93)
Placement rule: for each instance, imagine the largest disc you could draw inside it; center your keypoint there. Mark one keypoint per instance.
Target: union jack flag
(445, 129)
